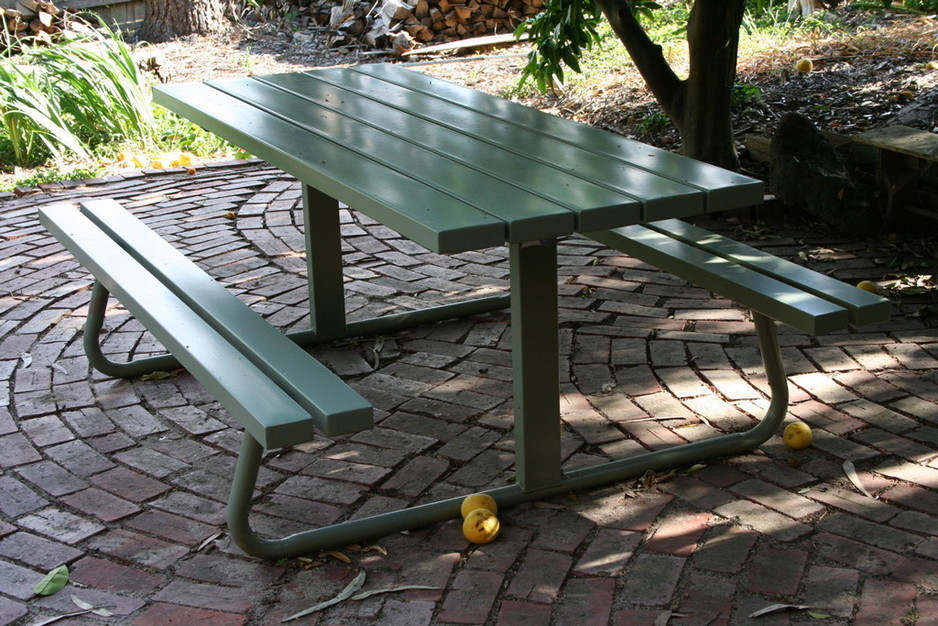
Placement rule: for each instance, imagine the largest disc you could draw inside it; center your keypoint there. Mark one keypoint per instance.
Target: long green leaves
(71, 97)
(561, 33)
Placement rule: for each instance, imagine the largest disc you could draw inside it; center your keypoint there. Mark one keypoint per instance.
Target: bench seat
(781, 290)
(277, 391)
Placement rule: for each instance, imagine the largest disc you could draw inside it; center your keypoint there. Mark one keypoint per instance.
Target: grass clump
(80, 107)
(68, 99)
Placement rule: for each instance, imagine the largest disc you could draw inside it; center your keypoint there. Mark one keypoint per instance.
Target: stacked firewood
(448, 20)
(30, 22)
(385, 23)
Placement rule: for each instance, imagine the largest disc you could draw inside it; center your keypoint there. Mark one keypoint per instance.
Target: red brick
(129, 484)
(910, 472)
(11, 610)
(608, 552)
(856, 555)
(679, 535)
(224, 570)
(709, 600)
(139, 548)
(652, 578)
(540, 576)
(726, 549)
(833, 588)
(36, 551)
(563, 531)
(875, 510)
(701, 494)
(470, 597)
(885, 602)
(632, 617)
(586, 601)
(206, 596)
(775, 571)
(162, 614)
(171, 527)
(103, 505)
(95, 572)
(524, 613)
(913, 497)
(638, 513)
(778, 499)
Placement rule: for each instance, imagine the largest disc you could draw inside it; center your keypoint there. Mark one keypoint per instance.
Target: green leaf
(53, 582)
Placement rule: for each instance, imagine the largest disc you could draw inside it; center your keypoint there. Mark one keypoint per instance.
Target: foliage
(53, 174)
(918, 6)
(174, 132)
(71, 97)
(567, 29)
(744, 95)
(561, 33)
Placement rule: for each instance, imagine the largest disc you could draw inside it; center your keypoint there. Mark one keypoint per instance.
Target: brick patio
(125, 481)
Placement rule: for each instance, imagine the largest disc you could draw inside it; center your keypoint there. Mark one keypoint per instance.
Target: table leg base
(313, 540)
(401, 321)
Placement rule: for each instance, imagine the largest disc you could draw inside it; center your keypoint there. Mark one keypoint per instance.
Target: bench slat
(724, 189)
(268, 413)
(300, 375)
(433, 219)
(753, 290)
(537, 160)
(528, 216)
(863, 307)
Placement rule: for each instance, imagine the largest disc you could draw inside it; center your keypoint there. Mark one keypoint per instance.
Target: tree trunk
(700, 105)
(713, 41)
(168, 19)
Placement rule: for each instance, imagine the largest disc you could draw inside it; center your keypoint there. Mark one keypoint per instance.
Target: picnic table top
(449, 167)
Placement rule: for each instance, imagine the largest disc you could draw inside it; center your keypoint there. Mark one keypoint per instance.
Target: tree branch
(648, 57)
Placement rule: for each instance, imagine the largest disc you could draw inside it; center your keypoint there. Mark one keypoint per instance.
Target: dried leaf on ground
(851, 473)
(345, 594)
(772, 608)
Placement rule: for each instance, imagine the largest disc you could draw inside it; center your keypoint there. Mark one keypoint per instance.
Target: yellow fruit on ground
(797, 435)
(480, 526)
(932, 65)
(868, 285)
(804, 65)
(478, 501)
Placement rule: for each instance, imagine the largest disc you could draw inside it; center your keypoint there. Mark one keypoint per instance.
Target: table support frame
(535, 358)
(308, 541)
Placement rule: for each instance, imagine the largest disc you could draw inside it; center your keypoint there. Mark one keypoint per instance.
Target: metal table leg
(323, 262)
(535, 362)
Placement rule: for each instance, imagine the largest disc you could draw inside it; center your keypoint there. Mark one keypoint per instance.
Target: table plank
(723, 189)
(423, 214)
(391, 111)
(528, 215)
(544, 159)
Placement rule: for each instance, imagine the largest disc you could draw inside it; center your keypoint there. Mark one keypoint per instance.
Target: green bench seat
(277, 391)
(778, 289)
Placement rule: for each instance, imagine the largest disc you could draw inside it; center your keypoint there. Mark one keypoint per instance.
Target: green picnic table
(457, 170)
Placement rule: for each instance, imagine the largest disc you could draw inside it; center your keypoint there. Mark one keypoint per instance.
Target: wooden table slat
(530, 216)
(569, 166)
(724, 189)
(423, 214)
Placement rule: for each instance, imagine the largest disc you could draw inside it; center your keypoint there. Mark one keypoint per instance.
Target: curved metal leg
(93, 326)
(305, 542)
(724, 445)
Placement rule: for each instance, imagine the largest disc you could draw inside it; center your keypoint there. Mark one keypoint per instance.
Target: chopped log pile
(402, 24)
(30, 22)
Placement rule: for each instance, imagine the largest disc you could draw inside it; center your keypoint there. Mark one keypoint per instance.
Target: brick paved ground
(125, 481)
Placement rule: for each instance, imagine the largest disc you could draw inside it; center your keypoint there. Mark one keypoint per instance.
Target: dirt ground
(873, 69)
